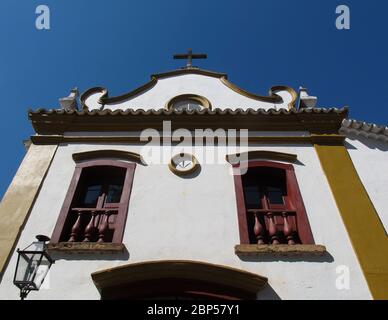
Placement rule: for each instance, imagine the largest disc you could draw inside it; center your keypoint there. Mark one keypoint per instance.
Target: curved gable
(213, 86)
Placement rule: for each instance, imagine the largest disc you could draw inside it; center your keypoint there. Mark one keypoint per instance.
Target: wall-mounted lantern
(32, 266)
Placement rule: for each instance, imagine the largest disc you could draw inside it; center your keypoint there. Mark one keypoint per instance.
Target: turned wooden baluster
(76, 229)
(272, 231)
(287, 229)
(104, 226)
(258, 230)
(89, 230)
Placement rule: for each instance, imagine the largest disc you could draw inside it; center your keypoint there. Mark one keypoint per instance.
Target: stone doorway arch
(180, 279)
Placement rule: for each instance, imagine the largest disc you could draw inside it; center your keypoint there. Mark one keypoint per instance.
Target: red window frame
(121, 208)
(293, 201)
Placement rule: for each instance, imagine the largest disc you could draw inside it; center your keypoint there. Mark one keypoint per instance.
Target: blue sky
(118, 44)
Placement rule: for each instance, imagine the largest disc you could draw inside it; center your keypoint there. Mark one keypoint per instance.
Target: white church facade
(192, 187)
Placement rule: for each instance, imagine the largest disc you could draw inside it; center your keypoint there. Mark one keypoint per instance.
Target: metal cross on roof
(190, 56)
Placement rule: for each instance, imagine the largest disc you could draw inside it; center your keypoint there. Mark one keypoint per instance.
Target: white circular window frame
(205, 103)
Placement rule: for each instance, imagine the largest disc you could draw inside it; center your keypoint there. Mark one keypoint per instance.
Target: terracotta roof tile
(215, 111)
(368, 130)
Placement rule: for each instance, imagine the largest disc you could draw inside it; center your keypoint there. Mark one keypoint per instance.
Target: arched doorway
(177, 279)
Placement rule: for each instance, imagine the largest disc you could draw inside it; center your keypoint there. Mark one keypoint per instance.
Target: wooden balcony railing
(274, 226)
(91, 225)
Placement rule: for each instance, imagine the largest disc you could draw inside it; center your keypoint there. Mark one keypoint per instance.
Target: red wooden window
(96, 203)
(270, 206)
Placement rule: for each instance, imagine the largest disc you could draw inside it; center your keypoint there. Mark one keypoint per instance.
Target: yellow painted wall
(20, 196)
(361, 220)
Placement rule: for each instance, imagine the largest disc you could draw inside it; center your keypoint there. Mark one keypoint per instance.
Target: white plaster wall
(370, 157)
(219, 95)
(196, 219)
